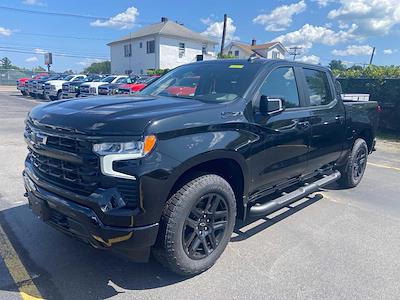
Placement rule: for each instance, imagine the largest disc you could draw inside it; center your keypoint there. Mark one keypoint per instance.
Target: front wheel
(59, 95)
(196, 225)
(355, 167)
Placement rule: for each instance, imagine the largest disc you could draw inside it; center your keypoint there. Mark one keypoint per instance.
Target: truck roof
(258, 60)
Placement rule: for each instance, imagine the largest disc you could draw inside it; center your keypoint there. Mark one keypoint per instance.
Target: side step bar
(278, 203)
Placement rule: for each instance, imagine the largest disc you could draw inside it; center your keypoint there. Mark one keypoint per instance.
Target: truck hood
(94, 84)
(56, 82)
(111, 85)
(112, 115)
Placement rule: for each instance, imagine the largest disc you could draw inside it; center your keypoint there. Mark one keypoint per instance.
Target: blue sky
(325, 29)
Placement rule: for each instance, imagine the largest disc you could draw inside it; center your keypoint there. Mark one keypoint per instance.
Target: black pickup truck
(172, 172)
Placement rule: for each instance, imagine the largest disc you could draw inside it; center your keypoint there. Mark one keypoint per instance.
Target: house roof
(253, 49)
(169, 28)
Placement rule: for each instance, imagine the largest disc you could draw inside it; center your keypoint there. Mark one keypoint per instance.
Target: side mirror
(270, 106)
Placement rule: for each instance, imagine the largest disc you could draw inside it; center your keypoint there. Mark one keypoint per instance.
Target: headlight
(111, 152)
(53, 87)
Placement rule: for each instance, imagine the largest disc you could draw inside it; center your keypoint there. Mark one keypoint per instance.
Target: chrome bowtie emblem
(38, 138)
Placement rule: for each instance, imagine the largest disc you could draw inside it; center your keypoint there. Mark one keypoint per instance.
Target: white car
(53, 88)
(92, 88)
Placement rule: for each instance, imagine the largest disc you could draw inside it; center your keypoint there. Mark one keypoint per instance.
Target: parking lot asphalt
(335, 244)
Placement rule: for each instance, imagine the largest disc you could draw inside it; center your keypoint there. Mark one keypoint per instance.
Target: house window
(236, 53)
(204, 49)
(181, 50)
(229, 52)
(275, 55)
(128, 50)
(151, 46)
(140, 45)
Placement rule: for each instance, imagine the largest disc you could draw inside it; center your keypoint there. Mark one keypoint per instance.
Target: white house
(273, 50)
(163, 45)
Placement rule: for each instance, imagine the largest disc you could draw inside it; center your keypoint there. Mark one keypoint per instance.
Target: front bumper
(83, 223)
(69, 95)
(84, 94)
(52, 93)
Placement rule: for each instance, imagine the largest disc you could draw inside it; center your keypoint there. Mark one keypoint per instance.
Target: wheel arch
(227, 164)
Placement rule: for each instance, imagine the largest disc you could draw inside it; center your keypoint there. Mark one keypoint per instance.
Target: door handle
(303, 124)
(339, 119)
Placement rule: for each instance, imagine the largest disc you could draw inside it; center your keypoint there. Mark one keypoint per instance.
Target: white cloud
(215, 29)
(323, 3)
(88, 61)
(354, 50)
(32, 59)
(5, 31)
(389, 51)
(310, 34)
(373, 17)
(310, 59)
(281, 17)
(124, 20)
(33, 2)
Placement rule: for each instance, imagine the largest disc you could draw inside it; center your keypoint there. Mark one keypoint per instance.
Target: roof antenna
(253, 57)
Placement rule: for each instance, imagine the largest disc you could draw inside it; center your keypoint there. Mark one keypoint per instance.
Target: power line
(59, 14)
(294, 52)
(39, 50)
(63, 36)
(3, 49)
(62, 14)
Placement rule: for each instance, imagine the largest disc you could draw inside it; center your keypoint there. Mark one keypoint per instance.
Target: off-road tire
(169, 250)
(352, 172)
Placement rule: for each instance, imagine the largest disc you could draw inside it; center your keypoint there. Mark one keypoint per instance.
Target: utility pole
(223, 36)
(294, 51)
(372, 56)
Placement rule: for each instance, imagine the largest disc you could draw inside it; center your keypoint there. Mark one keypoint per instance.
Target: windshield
(211, 82)
(68, 78)
(109, 79)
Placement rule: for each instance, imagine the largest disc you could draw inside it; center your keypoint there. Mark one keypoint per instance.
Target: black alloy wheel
(205, 226)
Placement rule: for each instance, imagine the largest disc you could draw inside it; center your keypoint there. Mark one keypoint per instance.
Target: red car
(137, 86)
(185, 87)
(21, 82)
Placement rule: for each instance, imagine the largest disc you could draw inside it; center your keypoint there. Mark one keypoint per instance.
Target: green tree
(103, 67)
(226, 56)
(157, 71)
(39, 69)
(6, 63)
(337, 65)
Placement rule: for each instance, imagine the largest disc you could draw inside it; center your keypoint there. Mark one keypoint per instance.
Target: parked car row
(59, 86)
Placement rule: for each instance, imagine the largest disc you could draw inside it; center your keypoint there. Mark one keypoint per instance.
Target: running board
(278, 203)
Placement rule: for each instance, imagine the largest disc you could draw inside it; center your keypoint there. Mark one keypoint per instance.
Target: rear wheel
(354, 170)
(196, 225)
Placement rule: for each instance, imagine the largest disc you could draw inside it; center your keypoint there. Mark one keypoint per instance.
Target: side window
(281, 83)
(318, 87)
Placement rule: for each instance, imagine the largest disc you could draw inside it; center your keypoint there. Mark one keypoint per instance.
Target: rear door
(281, 154)
(327, 118)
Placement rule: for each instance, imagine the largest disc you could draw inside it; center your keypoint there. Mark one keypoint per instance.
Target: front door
(327, 119)
(280, 156)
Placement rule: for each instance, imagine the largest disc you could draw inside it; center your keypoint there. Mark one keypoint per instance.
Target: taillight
(378, 109)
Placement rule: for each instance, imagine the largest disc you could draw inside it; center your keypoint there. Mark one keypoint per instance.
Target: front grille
(103, 91)
(79, 177)
(82, 177)
(124, 91)
(129, 190)
(84, 89)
